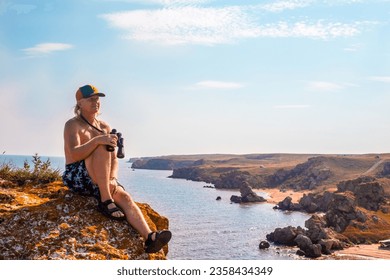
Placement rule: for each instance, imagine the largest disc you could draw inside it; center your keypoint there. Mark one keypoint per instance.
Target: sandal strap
(113, 209)
(107, 202)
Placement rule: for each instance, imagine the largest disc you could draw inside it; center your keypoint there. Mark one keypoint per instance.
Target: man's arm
(73, 147)
(114, 166)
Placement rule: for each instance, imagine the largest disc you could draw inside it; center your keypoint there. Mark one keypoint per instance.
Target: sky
(199, 76)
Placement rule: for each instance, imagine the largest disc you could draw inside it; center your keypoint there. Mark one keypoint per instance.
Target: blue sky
(200, 76)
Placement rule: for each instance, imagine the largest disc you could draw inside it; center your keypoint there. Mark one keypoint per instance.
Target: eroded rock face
(307, 175)
(368, 192)
(50, 222)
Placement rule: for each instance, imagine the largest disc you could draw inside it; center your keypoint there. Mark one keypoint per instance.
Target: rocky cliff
(50, 222)
(162, 163)
(358, 212)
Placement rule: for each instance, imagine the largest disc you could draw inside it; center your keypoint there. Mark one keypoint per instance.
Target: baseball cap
(88, 91)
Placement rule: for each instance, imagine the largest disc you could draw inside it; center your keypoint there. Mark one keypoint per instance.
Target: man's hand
(108, 139)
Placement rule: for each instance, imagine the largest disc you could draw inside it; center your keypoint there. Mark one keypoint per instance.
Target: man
(93, 170)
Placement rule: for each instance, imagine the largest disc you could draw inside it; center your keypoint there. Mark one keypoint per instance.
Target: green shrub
(40, 173)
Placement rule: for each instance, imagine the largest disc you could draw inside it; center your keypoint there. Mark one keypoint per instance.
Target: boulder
(247, 195)
(306, 245)
(287, 205)
(284, 236)
(342, 211)
(264, 245)
(303, 242)
(316, 228)
(314, 251)
(235, 199)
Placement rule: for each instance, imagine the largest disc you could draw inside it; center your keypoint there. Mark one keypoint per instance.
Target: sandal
(161, 238)
(103, 208)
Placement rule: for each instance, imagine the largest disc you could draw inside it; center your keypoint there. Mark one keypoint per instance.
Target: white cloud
(184, 25)
(384, 79)
(325, 86)
(217, 85)
(210, 26)
(46, 48)
(279, 6)
(175, 2)
(318, 30)
(291, 106)
(164, 2)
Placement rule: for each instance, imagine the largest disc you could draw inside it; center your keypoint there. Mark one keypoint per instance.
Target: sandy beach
(364, 251)
(275, 195)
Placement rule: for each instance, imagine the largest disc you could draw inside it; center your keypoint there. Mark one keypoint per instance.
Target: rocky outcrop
(304, 176)
(50, 222)
(368, 192)
(191, 173)
(221, 177)
(312, 242)
(309, 203)
(364, 192)
(285, 236)
(247, 195)
(349, 216)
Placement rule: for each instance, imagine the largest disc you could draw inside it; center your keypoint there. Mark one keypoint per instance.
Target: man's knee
(125, 196)
(98, 160)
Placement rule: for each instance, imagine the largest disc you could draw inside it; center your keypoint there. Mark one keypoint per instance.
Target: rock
(342, 211)
(327, 245)
(314, 251)
(264, 245)
(235, 199)
(285, 204)
(218, 198)
(368, 192)
(300, 253)
(247, 195)
(307, 175)
(316, 228)
(284, 236)
(50, 222)
(303, 242)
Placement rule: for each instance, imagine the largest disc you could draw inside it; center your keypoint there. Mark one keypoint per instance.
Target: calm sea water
(203, 228)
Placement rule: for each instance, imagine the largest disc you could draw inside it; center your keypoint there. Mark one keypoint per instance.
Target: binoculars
(121, 152)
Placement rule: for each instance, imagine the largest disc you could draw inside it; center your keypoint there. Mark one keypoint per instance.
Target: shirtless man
(92, 170)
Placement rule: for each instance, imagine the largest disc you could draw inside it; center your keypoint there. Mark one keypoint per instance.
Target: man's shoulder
(73, 122)
(103, 124)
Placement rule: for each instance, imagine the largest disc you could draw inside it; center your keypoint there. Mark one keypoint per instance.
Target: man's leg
(99, 166)
(133, 214)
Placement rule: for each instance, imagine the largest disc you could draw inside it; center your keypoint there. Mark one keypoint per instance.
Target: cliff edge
(50, 222)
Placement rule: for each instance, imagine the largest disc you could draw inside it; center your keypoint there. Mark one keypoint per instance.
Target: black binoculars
(119, 143)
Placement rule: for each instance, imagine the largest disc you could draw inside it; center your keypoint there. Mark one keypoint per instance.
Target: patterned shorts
(77, 179)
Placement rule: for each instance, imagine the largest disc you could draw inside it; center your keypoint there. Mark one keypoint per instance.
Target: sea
(203, 227)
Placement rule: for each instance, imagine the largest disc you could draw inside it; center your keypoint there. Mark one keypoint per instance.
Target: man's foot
(156, 240)
(111, 210)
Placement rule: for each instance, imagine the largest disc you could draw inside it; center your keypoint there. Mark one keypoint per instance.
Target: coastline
(362, 251)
